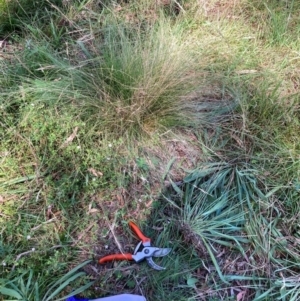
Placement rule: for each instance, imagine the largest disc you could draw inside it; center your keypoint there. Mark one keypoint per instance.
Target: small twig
(138, 283)
(38, 195)
(111, 228)
(44, 223)
(31, 251)
(178, 4)
(18, 221)
(24, 253)
(70, 138)
(82, 234)
(21, 255)
(56, 247)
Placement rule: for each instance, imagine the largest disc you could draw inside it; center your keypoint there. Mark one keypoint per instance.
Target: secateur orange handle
(138, 232)
(113, 257)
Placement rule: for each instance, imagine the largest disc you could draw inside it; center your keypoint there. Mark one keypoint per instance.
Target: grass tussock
(131, 86)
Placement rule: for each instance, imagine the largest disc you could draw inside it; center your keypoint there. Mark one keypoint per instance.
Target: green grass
(14, 14)
(184, 118)
(28, 286)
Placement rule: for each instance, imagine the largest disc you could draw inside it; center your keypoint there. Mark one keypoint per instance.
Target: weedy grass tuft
(223, 210)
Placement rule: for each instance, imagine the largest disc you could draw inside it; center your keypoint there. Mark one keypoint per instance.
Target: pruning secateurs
(143, 250)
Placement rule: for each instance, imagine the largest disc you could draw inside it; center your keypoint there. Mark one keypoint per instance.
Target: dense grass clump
(129, 86)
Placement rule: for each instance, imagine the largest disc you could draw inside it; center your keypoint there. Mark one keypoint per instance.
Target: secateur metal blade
(162, 252)
(159, 253)
(153, 265)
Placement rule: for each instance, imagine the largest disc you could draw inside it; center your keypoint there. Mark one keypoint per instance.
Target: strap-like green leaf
(63, 285)
(9, 292)
(64, 281)
(77, 291)
(213, 258)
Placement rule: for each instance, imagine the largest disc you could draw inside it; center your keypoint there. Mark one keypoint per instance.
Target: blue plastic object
(123, 297)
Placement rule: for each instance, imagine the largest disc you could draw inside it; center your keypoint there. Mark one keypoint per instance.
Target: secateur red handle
(138, 232)
(113, 257)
